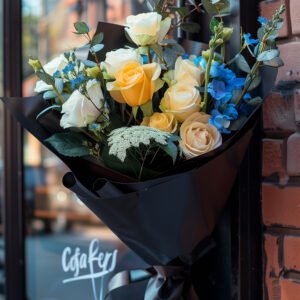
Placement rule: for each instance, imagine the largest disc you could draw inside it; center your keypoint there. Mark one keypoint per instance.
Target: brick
(295, 16)
(272, 255)
(293, 157)
(289, 53)
(297, 105)
(267, 9)
(278, 113)
(281, 206)
(273, 158)
(290, 290)
(291, 253)
(273, 288)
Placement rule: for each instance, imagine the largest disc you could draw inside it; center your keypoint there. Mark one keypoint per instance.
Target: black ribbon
(165, 282)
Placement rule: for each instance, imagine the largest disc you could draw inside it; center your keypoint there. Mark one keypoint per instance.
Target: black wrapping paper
(167, 221)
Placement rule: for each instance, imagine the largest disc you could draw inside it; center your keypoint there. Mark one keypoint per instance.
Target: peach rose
(198, 136)
(162, 121)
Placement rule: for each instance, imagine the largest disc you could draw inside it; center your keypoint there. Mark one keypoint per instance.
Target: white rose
(181, 100)
(198, 136)
(185, 70)
(147, 28)
(56, 64)
(115, 60)
(78, 110)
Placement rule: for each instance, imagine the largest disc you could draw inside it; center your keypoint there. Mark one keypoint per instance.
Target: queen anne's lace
(121, 139)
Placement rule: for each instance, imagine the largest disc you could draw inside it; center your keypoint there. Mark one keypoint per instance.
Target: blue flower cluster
(68, 68)
(249, 41)
(76, 81)
(221, 88)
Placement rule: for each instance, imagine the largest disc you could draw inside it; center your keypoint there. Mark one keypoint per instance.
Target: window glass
(60, 229)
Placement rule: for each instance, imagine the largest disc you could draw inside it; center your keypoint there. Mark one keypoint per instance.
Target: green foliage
(81, 28)
(216, 7)
(190, 27)
(69, 144)
(45, 77)
(243, 64)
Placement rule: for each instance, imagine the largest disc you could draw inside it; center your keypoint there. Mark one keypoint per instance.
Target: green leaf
(217, 7)
(253, 83)
(238, 124)
(171, 149)
(97, 39)
(243, 64)
(213, 24)
(275, 62)
(49, 95)
(57, 107)
(182, 11)
(158, 50)
(190, 27)
(69, 144)
(97, 48)
(268, 55)
(255, 101)
(81, 28)
(45, 77)
(135, 111)
(59, 84)
(147, 109)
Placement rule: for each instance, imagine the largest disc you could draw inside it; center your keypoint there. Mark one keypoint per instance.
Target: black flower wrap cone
(168, 220)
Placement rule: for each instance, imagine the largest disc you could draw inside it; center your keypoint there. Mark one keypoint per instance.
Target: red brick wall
(281, 165)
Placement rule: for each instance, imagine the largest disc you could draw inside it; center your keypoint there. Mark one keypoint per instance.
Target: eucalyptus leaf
(97, 48)
(45, 77)
(191, 27)
(97, 39)
(275, 62)
(69, 144)
(82, 53)
(49, 95)
(268, 55)
(59, 84)
(217, 7)
(253, 83)
(81, 27)
(89, 63)
(243, 64)
(171, 149)
(158, 50)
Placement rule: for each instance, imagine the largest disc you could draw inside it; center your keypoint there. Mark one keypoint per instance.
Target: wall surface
(281, 164)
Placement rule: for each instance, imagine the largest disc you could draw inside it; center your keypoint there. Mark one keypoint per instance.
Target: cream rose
(185, 70)
(162, 121)
(78, 110)
(135, 84)
(147, 28)
(181, 100)
(56, 64)
(198, 136)
(115, 60)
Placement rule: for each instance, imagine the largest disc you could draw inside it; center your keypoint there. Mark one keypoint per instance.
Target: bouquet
(145, 126)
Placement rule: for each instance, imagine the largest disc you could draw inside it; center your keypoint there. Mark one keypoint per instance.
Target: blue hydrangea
(56, 74)
(219, 91)
(262, 20)
(249, 40)
(220, 121)
(77, 80)
(231, 112)
(185, 56)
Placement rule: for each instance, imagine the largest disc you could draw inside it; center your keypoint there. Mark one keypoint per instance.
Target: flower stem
(149, 55)
(207, 75)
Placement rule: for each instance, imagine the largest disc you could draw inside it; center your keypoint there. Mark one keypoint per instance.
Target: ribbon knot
(164, 282)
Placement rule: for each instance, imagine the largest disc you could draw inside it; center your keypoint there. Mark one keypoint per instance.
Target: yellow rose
(198, 136)
(135, 84)
(162, 121)
(181, 100)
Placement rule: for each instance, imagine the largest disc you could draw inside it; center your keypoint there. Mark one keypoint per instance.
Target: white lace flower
(122, 139)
